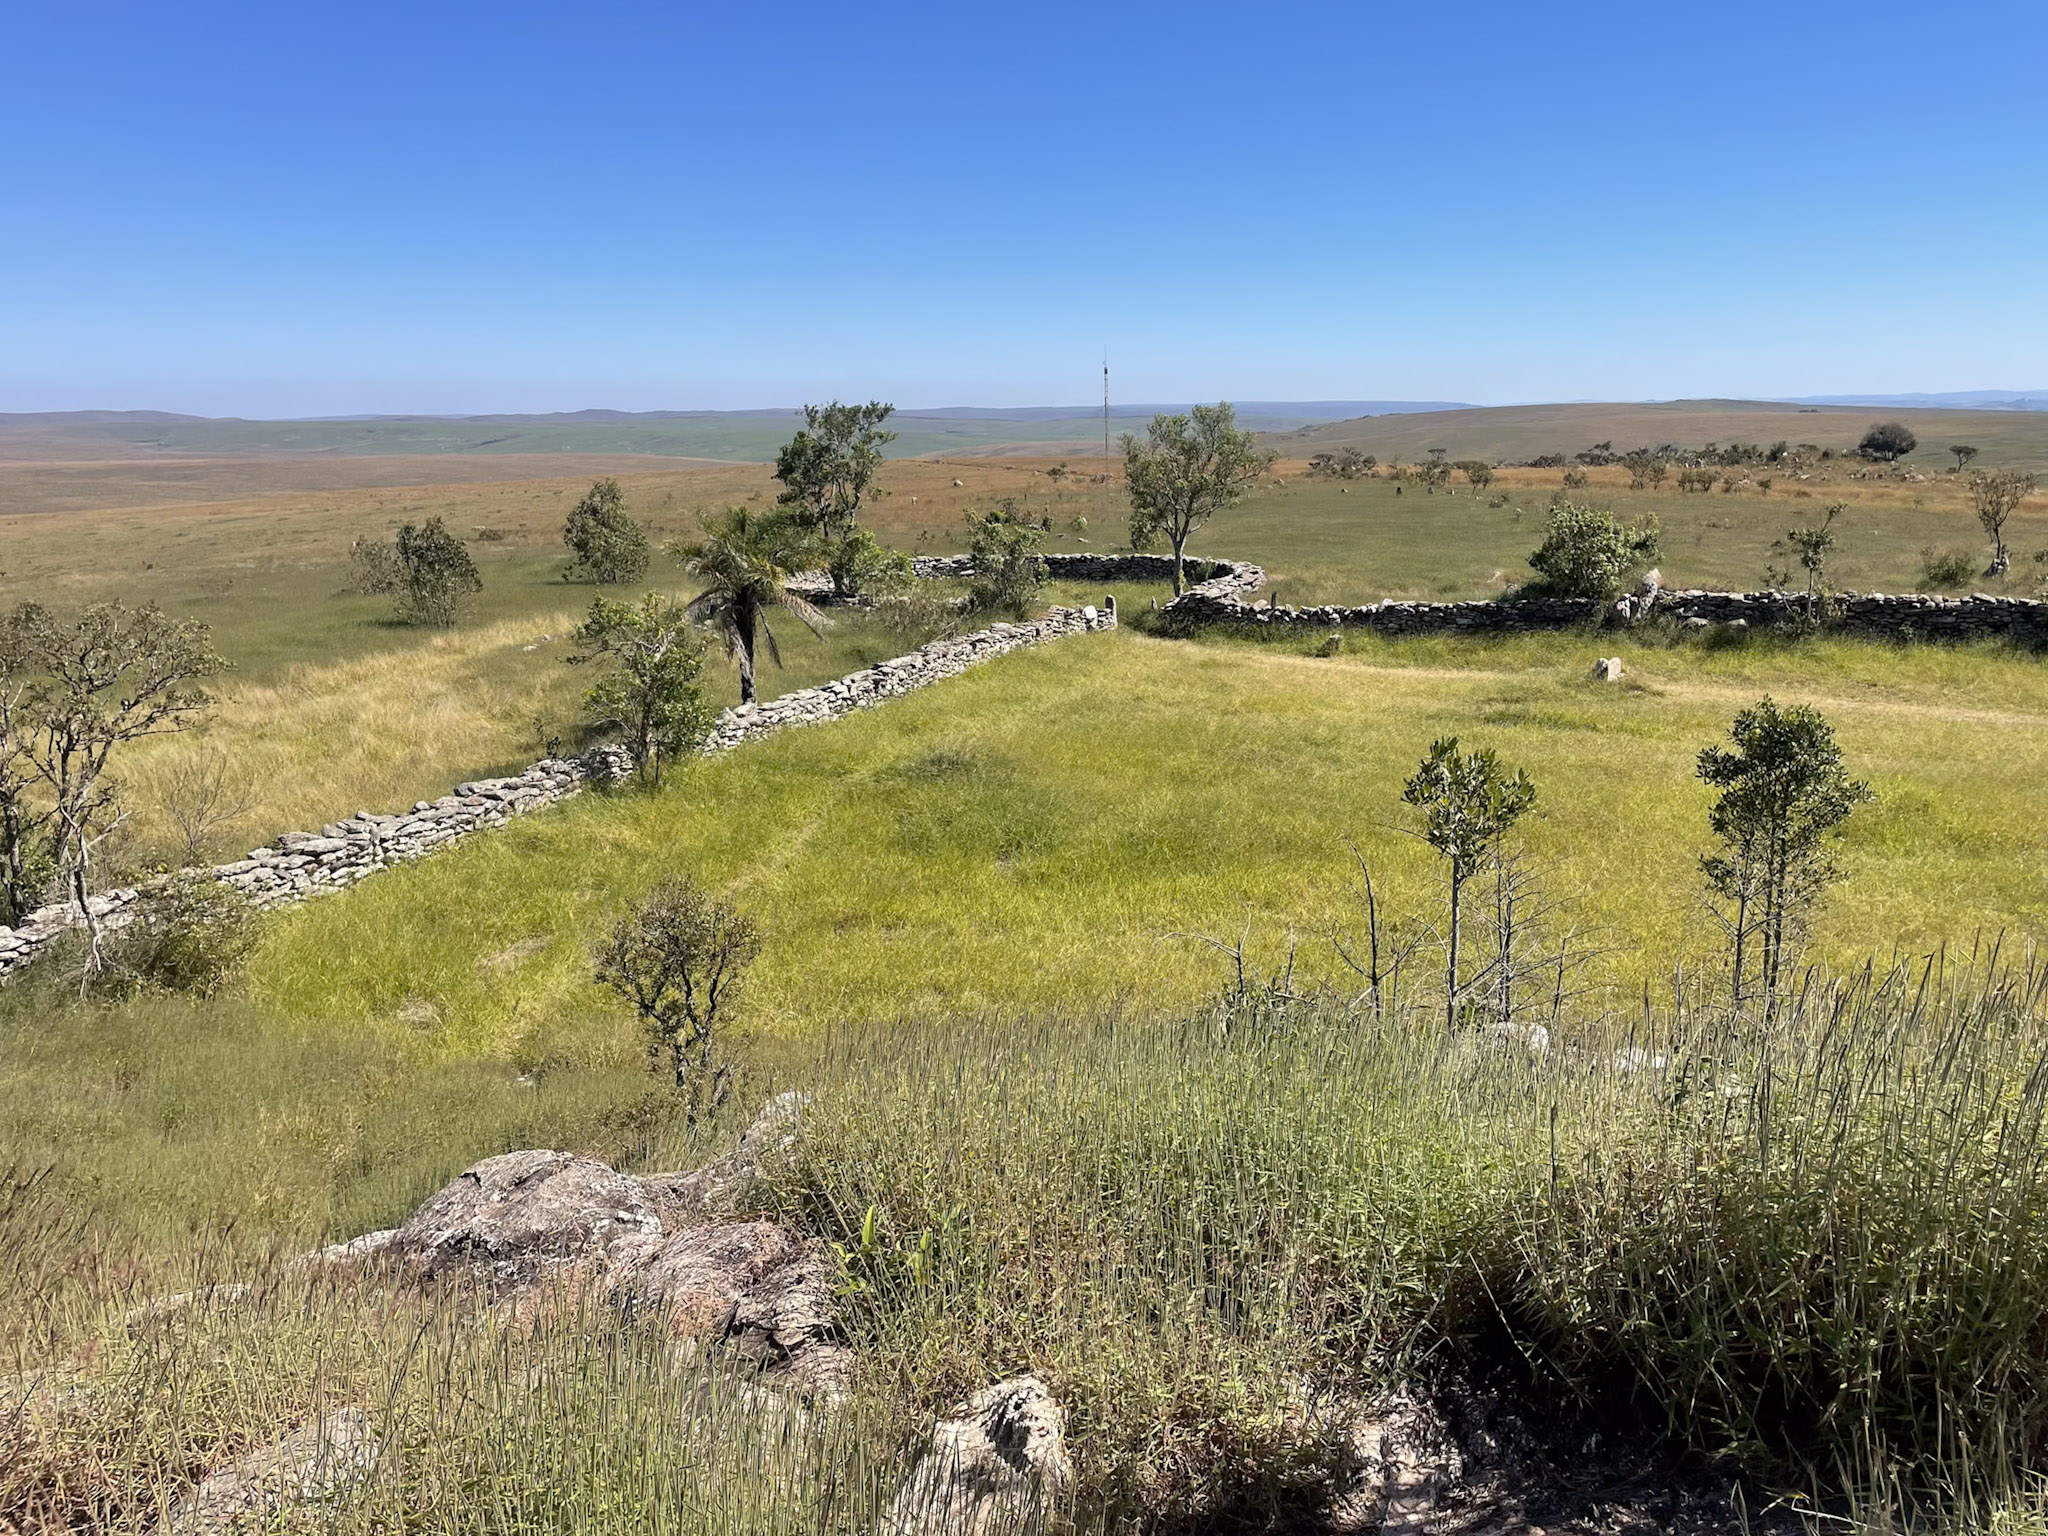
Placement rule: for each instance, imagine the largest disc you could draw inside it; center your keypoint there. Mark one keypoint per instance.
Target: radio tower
(1105, 413)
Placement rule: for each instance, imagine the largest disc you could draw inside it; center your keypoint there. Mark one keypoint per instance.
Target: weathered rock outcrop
(726, 1185)
(998, 1463)
(514, 1217)
(759, 1292)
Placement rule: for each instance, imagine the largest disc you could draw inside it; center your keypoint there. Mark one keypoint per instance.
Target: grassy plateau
(1050, 1130)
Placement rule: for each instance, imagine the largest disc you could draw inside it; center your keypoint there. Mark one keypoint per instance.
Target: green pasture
(1048, 830)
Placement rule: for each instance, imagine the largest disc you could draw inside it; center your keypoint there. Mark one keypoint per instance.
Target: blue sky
(296, 209)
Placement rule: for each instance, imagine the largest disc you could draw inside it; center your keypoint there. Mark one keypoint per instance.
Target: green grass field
(983, 907)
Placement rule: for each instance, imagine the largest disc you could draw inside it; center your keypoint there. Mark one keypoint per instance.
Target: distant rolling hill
(737, 435)
(1517, 433)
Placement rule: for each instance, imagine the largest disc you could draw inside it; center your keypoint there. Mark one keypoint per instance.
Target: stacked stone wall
(302, 864)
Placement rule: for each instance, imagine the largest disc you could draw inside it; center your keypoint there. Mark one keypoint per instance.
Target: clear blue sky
(294, 209)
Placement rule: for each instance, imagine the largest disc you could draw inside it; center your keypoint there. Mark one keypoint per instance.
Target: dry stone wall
(302, 864)
(1218, 598)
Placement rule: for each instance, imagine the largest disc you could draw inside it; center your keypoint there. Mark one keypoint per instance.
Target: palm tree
(745, 560)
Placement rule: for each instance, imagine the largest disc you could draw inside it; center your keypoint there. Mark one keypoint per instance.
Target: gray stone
(997, 1463)
(513, 1216)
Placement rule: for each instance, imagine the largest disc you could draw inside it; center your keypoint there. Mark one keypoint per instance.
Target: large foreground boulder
(525, 1213)
(758, 1291)
(996, 1464)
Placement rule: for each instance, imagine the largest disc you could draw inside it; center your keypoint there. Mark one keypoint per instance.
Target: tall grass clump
(1817, 1251)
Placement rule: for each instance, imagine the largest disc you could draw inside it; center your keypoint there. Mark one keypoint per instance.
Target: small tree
(1811, 546)
(680, 959)
(1586, 553)
(1996, 496)
(1187, 470)
(745, 561)
(439, 575)
(651, 687)
(1478, 474)
(610, 547)
(1888, 442)
(1646, 469)
(1964, 453)
(1009, 574)
(829, 467)
(1784, 796)
(206, 793)
(28, 843)
(85, 688)
(859, 563)
(1469, 803)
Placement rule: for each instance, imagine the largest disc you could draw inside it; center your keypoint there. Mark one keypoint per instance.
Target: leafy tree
(651, 688)
(828, 468)
(1964, 453)
(859, 563)
(1888, 441)
(610, 547)
(745, 561)
(680, 959)
(77, 691)
(1646, 468)
(1009, 573)
(1586, 553)
(1057, 474)
(1187, 470)
(1477, 473)
(1433, 471)
(1812, 547)
(439, 576)
(1469, 803)
(1996, 496)
(1784, 796)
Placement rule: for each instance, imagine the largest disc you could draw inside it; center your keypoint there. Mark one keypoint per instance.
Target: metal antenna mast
(1105, 410)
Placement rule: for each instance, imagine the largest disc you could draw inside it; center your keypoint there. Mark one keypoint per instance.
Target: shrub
(859, 563)
(1009, 573)
(1940, 568)
(1586, 553)
(680, 958)
(439, 576)
(1888, 442)
(650, 688)
(374, 567)
(187, 933)
(610, 547)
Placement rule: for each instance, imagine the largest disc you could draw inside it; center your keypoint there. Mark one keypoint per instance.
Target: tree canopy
(1186, 469)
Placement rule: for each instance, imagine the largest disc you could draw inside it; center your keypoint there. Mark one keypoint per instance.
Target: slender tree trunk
(1741, 944)
(746, 627)
(1451, 970)
(1180, 543)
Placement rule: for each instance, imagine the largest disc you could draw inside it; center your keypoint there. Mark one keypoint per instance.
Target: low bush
(1587, 552)
(186, 933)
(1946, 568)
